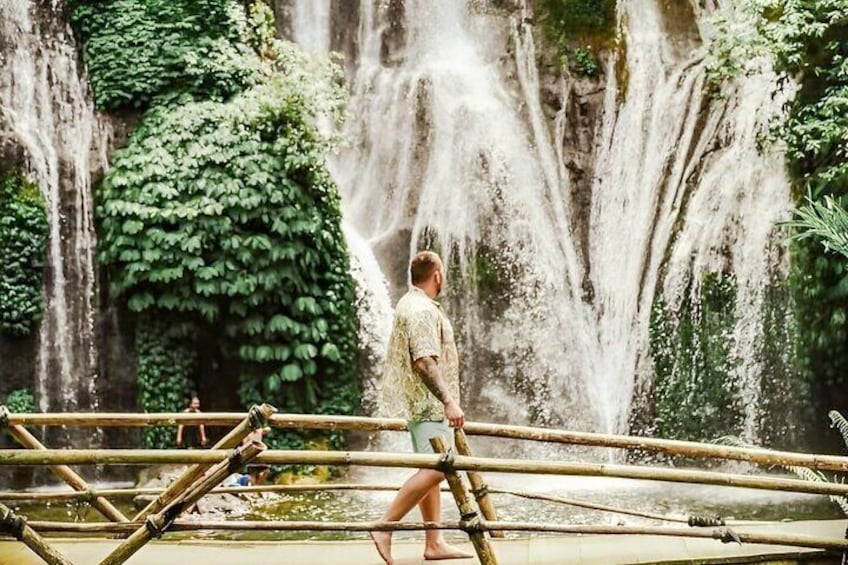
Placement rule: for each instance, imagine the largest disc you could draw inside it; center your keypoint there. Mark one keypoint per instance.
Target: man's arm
(179, 435)
(428, 370)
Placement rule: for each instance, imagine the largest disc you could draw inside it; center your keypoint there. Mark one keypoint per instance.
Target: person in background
(256, 475)
(421, 384)
(192, 437)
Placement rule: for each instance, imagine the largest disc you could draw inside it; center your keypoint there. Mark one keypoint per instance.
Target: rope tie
(153, 527)
(12, 523)
(86, 496)
(470, 523)
(726, 535)
(480, 493)
(696, 521)
(234, 461)
(445, 464)
(4, 416)
(255, 418)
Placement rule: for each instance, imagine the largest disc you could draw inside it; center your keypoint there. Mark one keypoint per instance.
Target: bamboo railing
(209, 467)
(678, 448)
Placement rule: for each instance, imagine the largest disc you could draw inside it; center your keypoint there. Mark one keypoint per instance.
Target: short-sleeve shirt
(420, 329)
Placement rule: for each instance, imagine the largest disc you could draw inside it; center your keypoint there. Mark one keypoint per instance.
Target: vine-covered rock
(224, 214)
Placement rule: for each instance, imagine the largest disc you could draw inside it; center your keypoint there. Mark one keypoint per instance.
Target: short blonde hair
(423, 265)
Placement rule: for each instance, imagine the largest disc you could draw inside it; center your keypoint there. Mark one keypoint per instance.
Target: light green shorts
(421, 433)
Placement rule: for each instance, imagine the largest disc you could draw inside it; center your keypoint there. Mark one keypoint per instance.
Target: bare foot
(383, 541)
(444, 551)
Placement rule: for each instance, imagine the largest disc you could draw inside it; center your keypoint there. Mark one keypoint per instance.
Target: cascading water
(46, 110)
(452, 148)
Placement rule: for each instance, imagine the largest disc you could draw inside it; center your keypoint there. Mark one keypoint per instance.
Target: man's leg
(410, 494)
(435, 546)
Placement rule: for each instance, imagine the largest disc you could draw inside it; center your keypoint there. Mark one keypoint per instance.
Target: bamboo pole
(470, 520)
(421, 461)
(68, 475)
(759, 456)
(157, 524)
(723, 534)
(17, 527)
(478, 486)
(256, 418)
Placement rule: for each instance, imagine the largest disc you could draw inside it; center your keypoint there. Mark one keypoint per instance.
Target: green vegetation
(140, 50)
(20, 401)
(219, 217)
(577, 29)
(23, 241)
(808, 39)
(167, 363)
(691, 352)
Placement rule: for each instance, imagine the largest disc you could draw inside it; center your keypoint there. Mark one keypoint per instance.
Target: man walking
(421, 384)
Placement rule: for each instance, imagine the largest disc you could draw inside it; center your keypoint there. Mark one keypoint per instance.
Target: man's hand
(454, 415)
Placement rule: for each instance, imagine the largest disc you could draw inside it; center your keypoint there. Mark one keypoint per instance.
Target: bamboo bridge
(123, 538)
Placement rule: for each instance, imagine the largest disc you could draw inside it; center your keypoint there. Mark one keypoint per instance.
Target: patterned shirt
(420, 329)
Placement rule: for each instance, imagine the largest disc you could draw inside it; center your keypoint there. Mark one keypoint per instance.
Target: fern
(800, 472)
(839, 422)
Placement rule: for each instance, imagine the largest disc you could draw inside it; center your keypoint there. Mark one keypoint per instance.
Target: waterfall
(312, 25)
(374, 309)
(46, 111)
(452, 148)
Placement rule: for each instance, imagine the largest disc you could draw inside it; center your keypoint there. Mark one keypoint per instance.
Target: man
(192, 437)
(421, 384)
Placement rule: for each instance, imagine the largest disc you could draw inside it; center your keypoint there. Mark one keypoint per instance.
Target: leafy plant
(585, 62)
(139, 50)
(20, 401)
(23, 241)
(223, 214)
(806, 37)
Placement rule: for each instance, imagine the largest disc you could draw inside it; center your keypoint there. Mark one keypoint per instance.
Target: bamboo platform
(535, 550)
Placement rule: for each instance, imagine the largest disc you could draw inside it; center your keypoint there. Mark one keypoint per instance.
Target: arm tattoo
(429, 372)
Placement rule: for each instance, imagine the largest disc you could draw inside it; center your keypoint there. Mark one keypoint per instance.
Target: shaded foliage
(23, 242)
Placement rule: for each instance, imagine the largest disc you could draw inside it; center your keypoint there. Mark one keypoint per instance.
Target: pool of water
(679, 500)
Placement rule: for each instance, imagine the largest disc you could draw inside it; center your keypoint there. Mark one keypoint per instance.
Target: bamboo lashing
(17, 527)
(759, 456)
(257, 417)
(766, 538)
(156, 524)
(29, 441)
(469, 519)
(479, 488)
(412, 461)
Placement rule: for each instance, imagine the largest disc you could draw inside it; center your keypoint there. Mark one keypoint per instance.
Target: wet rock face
(344, 32)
